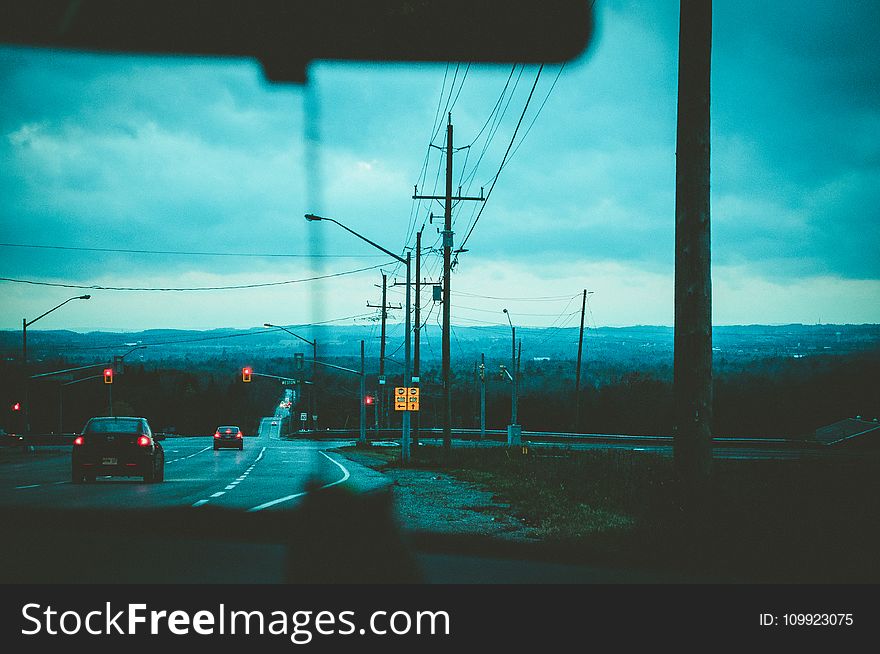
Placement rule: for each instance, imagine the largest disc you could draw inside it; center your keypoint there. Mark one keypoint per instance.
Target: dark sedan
(228, 436)
(120, 447)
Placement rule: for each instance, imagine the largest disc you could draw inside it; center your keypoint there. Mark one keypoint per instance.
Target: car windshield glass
(122, 425)
(480, 286)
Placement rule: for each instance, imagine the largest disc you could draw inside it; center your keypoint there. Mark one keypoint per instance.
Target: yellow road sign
(406, 398)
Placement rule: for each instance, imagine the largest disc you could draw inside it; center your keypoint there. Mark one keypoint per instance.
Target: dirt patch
(436, 502)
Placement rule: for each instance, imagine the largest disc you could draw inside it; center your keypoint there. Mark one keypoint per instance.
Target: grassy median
(800, 520)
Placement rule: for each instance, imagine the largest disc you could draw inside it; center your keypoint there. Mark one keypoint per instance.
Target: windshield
(616, 304)
(119, 425)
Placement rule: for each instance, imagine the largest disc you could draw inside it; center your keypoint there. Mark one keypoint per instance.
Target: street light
(25, 323)
(514, 431)
(314, 345)
(407, 379)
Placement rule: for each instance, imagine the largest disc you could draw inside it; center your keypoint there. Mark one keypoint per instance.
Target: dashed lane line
(181, 458)
(233, 484)
(345, 475)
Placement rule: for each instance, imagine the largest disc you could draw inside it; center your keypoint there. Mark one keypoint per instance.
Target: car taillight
(78, 440)
(216, 434)
(238, 435)
(143, 441)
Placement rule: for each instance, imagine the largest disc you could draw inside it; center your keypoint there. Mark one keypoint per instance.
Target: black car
(121, 447)
(228, 436)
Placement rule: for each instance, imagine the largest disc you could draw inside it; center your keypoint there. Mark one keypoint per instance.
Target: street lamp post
(25, 323)
(514, 430)
(407, 379)
(314, 344)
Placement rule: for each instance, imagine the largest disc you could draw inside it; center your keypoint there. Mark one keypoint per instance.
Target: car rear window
(121, 425)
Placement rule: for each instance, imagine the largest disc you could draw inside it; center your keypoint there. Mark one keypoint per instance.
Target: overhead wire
(98, 287)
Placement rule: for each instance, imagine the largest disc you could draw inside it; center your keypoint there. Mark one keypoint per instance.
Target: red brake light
(216, 434)
(78, 440)
(228, 431)
(143, 441)
(238, 435)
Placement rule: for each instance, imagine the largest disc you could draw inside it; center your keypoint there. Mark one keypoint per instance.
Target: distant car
(119, 447)
(10, 439)
(228, 436)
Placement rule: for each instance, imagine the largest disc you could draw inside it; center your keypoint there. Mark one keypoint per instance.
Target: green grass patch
(780, 521)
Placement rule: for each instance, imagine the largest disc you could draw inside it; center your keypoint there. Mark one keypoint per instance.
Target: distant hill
(640, 343)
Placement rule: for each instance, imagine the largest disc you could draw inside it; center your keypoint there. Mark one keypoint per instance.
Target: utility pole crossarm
(444, 198)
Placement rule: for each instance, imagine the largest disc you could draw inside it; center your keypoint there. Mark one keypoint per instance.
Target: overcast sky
(205, 156)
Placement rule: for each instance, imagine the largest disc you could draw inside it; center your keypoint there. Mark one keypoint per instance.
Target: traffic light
(108, 375)
(298, 361)
(368, 399)
(246, 374)
(16, 406)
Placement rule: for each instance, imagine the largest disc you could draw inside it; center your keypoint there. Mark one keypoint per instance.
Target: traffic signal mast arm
(259, 374)
(61, 372)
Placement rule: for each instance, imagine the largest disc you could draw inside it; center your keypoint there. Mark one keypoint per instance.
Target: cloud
(204, 155)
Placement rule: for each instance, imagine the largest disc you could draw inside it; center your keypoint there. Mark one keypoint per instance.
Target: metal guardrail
(540, 436)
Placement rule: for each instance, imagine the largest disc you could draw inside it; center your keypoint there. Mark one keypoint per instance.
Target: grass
(776, 521)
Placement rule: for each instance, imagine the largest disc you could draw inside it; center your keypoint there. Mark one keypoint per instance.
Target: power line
(190, 254)
(97, 287)
(544, 298)
(503, 160)
(537, 113)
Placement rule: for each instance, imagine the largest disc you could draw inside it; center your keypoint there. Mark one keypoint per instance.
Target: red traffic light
(108, 375)
(16, 406)
(368, 399)
(246, 374)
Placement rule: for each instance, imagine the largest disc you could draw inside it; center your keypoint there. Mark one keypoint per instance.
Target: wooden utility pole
(482, 396)
(383, 402)
(577, 379)
(693, 281)
(447, 264)
(418, 319)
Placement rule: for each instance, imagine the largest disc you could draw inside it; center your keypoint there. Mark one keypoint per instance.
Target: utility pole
(692, 444)
(482, 397)
(417, 329)
(362, 436)
(383, 399)
(418, 318)
(447, 263)
(577, 379)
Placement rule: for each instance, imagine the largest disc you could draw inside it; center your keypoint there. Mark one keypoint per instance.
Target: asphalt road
(268, 474)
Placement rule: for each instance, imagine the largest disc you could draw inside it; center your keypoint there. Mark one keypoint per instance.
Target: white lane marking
(345, 475)
(233, 484)
(190, 456)
(28, 486)
(60, 483)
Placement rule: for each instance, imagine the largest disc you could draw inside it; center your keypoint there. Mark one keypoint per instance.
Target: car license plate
(109, 461)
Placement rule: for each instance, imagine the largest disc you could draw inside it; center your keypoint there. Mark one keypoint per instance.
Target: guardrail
(558, 437)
